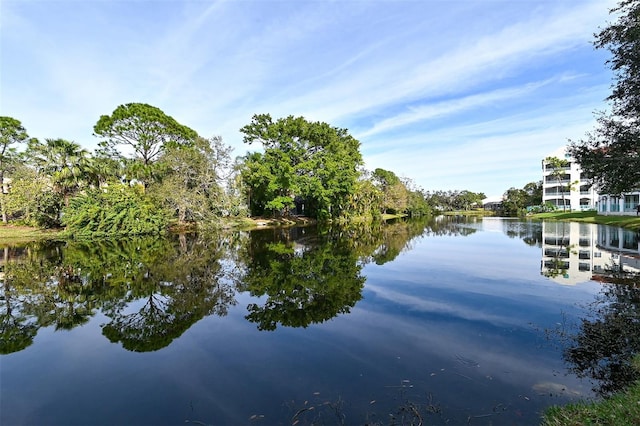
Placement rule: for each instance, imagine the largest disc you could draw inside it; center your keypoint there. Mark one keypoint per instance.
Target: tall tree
(558, 168)
(313, 162)
(193, 178)
(610, 155)
(145, 129)
(514, 201)
(534, 189)
(65, 162)
(394, 193)
(32, 199)
(11, 133)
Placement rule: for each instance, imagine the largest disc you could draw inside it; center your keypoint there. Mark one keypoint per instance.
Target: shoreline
(627, 222)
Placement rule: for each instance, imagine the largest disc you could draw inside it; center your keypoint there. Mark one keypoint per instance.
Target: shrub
(116, 210)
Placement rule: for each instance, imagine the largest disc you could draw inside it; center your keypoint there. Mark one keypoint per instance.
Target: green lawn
(620, 410)
(10, 234)
(631, 222)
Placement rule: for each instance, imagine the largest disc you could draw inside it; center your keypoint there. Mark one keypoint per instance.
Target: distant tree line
(454, 200)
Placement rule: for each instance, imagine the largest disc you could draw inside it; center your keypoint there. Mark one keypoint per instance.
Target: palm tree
(65, 162)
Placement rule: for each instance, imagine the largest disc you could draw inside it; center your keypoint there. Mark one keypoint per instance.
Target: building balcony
(556, 182)
(548, 168)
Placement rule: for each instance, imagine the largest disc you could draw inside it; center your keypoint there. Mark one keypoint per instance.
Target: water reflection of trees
(63, 286)
(604, 345)
(153, 290)
(304, 279)
(179, 288)
(530, 232)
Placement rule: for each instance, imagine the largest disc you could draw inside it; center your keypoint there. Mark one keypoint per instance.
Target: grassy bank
(631, 222)
(621, 409)
(10, 234)
(476, 212)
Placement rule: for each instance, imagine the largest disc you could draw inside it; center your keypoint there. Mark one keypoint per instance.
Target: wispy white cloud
(445, 80)
(440, 109)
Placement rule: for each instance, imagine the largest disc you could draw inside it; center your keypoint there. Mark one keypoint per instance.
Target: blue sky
(458, 94)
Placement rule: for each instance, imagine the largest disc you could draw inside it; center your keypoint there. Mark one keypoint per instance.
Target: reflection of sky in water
(459, 319)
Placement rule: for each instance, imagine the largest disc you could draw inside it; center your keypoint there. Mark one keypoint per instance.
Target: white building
(626, 204)
(569, 189)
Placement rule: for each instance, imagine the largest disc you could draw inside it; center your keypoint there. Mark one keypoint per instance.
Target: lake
(454, 320)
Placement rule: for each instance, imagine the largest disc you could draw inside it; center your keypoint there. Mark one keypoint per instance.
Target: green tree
(465, 200)
(107, 165)
(311, 162)
(514, 201)
(145, 129)
(65, 162)
(365, 201)
(32, 199)
(610, 155)
(559, 173)
(270, 182)
(394, 193)
(11, 133)
(534, 191)
(193, 179)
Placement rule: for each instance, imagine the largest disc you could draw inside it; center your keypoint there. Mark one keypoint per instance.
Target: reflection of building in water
(578, 252)
(623, 246)
(569, 252)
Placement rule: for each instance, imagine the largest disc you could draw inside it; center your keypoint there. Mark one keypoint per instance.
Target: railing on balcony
(556, 241)
(548, 181)
(549, 168)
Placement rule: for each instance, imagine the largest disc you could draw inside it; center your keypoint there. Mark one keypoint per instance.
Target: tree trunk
(2, 201)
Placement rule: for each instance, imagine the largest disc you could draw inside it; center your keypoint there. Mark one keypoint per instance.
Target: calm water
(453, 321)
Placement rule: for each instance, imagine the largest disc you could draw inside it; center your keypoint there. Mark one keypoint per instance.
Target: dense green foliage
(610, 155)
(113, 211)
(11, 133)
(515, 201)
(306, 169)
(66, 164)
(191, 180)
(309, 164)
(147, 130)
